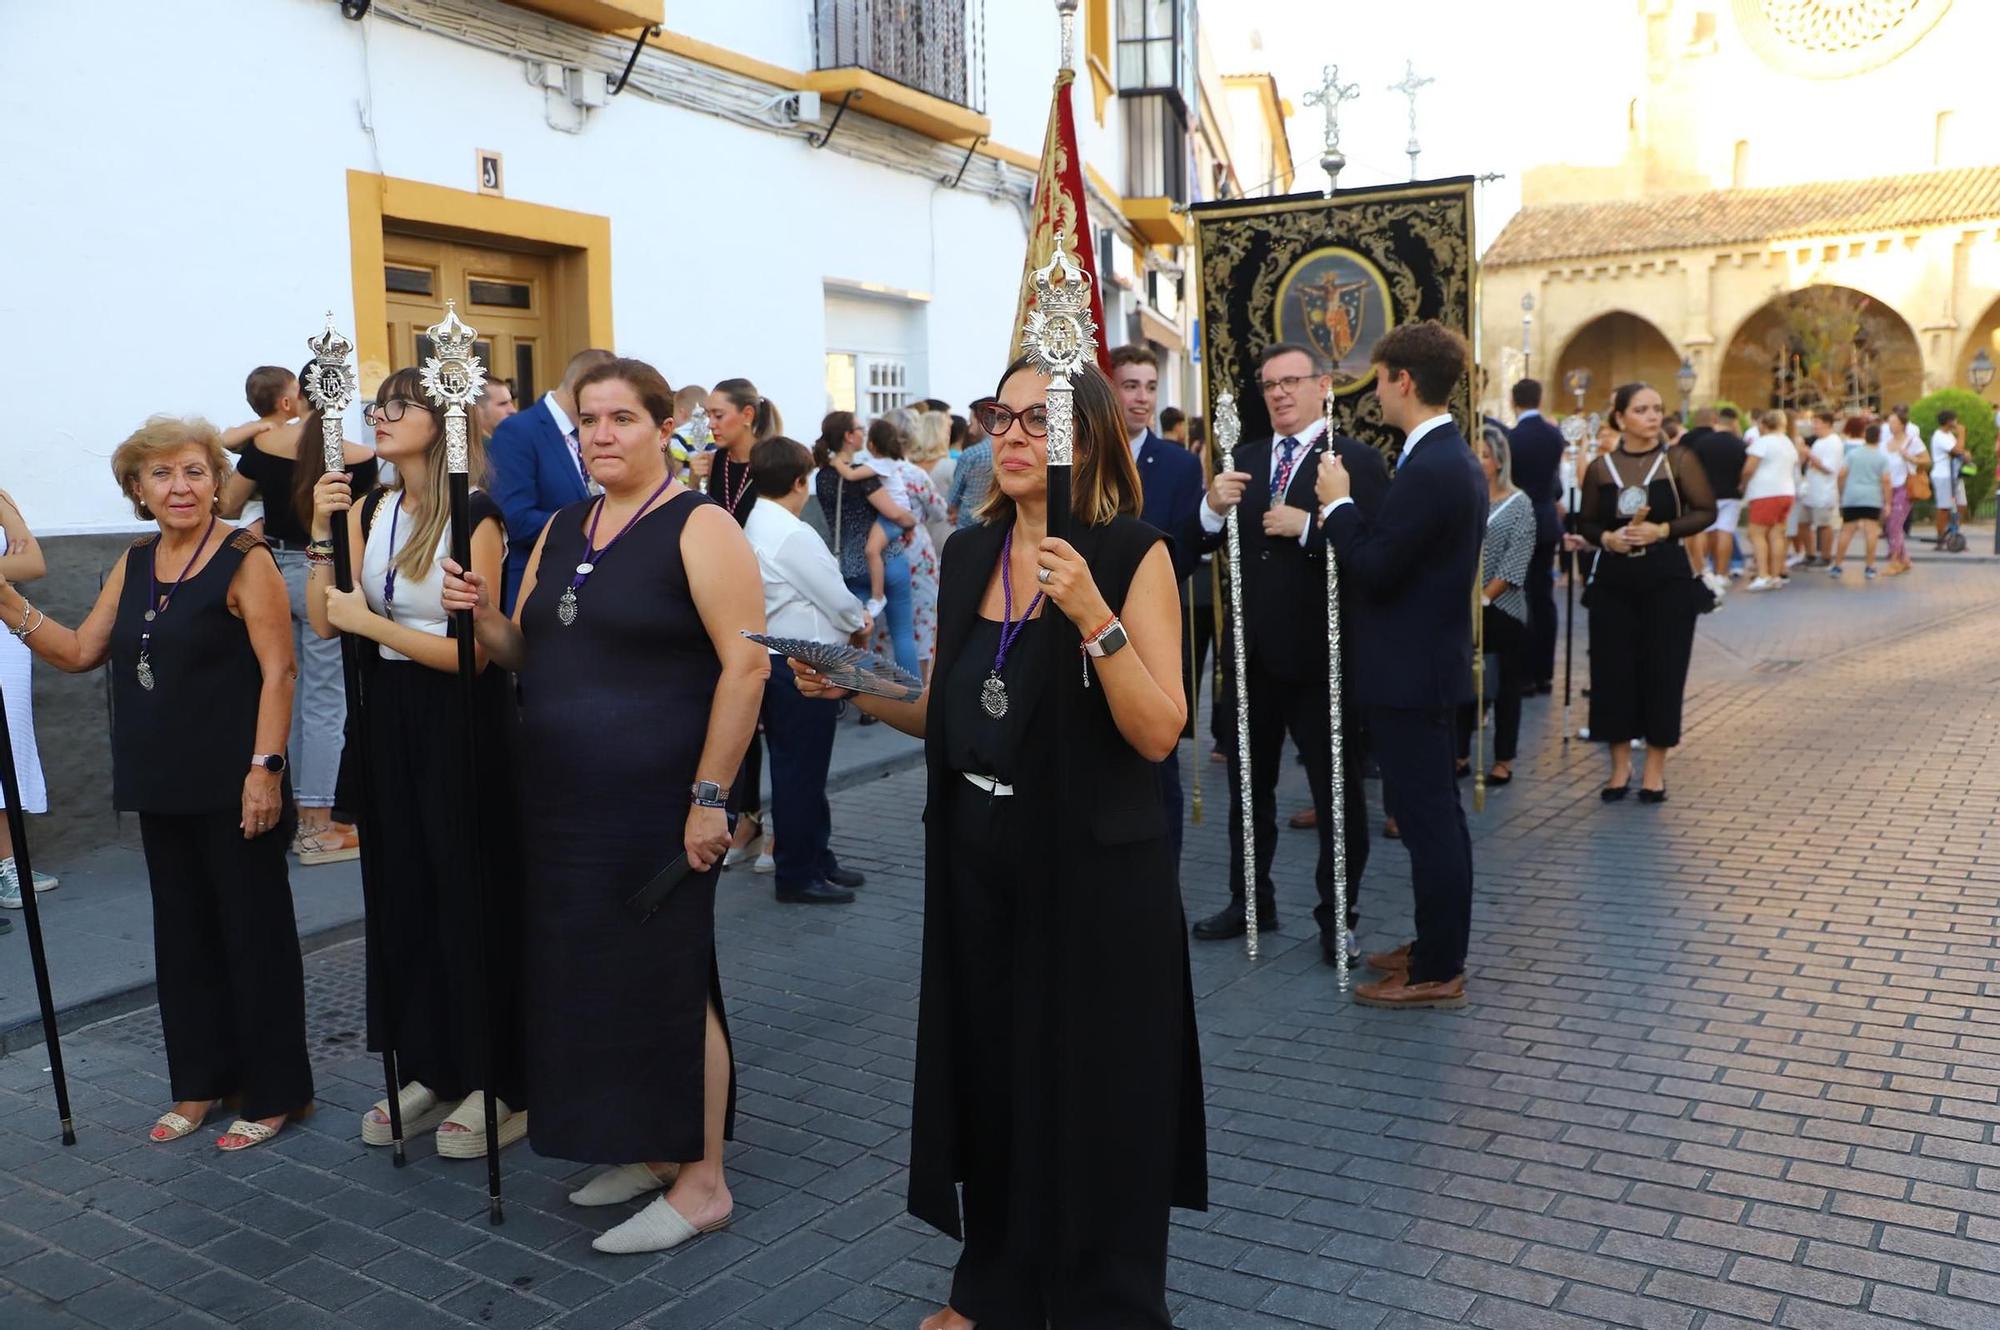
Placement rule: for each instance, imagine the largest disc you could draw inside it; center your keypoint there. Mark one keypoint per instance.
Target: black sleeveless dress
(614, 712)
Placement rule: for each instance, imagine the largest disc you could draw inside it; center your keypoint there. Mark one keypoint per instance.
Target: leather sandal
(256, 1133)
(420, 1110)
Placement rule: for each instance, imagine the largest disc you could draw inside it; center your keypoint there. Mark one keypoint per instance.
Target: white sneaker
(1761, 584)
(10, 886)
(1794, 560)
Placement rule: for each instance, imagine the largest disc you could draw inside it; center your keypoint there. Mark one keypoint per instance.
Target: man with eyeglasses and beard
(1285, 636)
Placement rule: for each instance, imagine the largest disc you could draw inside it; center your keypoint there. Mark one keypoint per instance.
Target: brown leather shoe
(1305, 819)
(1397, 991)
(1391, 962)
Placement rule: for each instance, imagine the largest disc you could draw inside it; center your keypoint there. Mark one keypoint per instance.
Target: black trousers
(1200, 627)
(226, 947)
(1641, 638)
(747, 795)
(1539, 646)
(1289, 706)
(799, 731)
(1414, 747)
(1506, 642)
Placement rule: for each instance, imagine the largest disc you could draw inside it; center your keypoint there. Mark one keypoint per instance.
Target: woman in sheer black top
(1639, 501)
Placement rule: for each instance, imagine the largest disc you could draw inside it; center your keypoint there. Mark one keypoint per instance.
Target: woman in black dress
(195, 624)
(638, 696)
(1058, 1078)
(1639, 500)
(442, 881)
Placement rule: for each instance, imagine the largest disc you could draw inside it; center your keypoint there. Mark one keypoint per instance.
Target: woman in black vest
(198, 630)
(1058, 1076)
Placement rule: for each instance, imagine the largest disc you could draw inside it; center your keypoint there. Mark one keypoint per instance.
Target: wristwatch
(271, 762)
(1109, 642)
(708, 794)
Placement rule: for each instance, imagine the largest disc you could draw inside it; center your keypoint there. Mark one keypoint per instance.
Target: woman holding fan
(633, 607)
(1058, 1075)
(428, 996)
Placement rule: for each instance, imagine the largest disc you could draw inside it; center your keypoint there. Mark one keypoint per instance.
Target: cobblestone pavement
(1734, 1061)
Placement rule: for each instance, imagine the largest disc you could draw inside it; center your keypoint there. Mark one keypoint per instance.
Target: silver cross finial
(1410, 87)
(330, 386)
(1061, 337)
(1329, 96)
(453, 378)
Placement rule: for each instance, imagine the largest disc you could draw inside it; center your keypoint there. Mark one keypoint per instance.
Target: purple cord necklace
(993, 693)
(592, 552)
(389, 579)
(156, 605)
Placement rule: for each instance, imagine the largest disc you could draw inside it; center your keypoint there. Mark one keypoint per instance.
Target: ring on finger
(1043, 575)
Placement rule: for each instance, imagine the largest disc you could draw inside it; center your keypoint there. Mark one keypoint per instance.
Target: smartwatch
(708, 794)
(1109, 642)
(271, 762)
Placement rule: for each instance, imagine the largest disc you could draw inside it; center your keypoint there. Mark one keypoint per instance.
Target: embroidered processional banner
(1335, 274)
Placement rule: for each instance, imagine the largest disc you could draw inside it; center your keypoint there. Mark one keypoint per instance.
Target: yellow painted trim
(600, 15)
(1111, 196)
(1156, 221)
(721, 57)
(373, 201)
(1097, 52)
(886, 99)
(1276, 109)
(1027, 161)
(1101, 87)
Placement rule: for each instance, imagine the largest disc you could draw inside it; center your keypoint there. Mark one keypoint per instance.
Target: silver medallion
(145, 673)
(1631, 501)
(151, 615)
(566, 607)
(586, 569)
(992, 696)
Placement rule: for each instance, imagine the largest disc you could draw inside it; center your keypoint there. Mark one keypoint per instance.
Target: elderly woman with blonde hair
(196, 624)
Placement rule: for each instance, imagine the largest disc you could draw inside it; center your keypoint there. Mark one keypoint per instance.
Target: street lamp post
(1527, 330)
(1686, 381)
(1980, 375)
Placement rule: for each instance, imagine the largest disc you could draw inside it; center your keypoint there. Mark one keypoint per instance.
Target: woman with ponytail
(740, 418)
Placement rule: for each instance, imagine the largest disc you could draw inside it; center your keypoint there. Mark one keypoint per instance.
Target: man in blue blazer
(1413, 565)
(537, 467)
(1170, 485)
(1538, 452)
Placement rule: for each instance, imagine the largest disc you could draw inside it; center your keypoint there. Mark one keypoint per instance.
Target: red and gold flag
(1061, 209)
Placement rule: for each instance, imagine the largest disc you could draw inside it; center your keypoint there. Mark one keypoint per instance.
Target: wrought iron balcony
(932, 46)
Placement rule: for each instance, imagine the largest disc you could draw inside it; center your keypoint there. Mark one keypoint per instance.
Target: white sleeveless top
(419, 601)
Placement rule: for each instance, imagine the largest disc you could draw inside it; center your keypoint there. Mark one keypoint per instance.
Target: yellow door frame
(580, 243)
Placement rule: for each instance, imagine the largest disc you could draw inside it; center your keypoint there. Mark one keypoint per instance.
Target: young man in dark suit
(1538, 453)
(1413, 565)
(1170, 486)
(537, 467)
(1285, 636)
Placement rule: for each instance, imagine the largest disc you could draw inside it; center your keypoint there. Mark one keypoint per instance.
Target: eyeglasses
(1289, 385)
(391, 411)
(996, 418)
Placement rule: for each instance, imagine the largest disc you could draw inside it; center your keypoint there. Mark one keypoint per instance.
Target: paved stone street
(1734, 1061)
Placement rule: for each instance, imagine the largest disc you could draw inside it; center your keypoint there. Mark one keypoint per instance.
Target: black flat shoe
(1493, 779)
(1227, 923)
(1462, 770)
(846, 877)
(815, 893)
(1611, 794)
(1647, 796)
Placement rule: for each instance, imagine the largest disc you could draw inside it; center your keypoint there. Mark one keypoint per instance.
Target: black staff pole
(330, 386)
(453, 378)
(17, 826)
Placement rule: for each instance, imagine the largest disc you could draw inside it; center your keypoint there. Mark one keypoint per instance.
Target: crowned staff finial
(329, 385)
(454, 379)
(1228, 429)
(1060, 338)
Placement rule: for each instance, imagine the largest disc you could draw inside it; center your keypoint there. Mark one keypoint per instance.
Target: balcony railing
(934, 46)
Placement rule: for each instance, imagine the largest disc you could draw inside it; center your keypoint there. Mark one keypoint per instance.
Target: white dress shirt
(1302, 442)
(1409, 441)
(567, 428)
(804, 595)
(1138, 442)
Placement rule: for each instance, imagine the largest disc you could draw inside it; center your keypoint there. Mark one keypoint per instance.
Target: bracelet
(320, 547)
(316, 560)
(27, 628)
(1102, 629)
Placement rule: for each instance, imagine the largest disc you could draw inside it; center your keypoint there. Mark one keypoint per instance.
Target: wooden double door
(505, 295)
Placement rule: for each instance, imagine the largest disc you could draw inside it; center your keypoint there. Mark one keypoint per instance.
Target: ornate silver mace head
(454, 378)
(1060, 337)
(330, 385)
(1228, 429)
(698, 432)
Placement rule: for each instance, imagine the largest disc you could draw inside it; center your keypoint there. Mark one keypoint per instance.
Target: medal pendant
(992, 696)
(566, 607)
(150, 616)
(586, 569)
(145, 673)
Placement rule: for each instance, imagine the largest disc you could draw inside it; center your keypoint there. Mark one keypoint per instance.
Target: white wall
(177, 214)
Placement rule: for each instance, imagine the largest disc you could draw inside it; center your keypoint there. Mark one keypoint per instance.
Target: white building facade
(222, 174)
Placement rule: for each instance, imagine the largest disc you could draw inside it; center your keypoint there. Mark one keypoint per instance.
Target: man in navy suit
(537, 467)
(1285, 638)
(1413, 564)
(1170, 484)
(1538, 452)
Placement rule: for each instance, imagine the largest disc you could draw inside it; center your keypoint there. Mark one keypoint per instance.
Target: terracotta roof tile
(1738, 216)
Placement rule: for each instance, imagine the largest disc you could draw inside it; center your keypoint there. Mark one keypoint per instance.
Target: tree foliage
(1977, 415)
